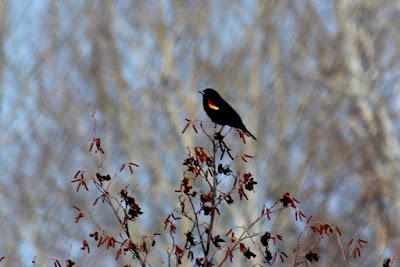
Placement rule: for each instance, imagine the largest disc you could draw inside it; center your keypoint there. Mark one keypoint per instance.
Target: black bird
(220, 112)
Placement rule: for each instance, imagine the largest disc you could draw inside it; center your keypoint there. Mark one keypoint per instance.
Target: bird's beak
(201, 92)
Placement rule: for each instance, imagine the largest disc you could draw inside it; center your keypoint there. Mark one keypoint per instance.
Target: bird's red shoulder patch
(211, 105)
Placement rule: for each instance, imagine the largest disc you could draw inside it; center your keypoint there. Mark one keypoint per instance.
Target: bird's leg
(215, 129)
(221, 144)
(220, 131)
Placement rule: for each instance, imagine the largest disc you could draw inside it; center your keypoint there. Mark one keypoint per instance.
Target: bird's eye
(211, 105)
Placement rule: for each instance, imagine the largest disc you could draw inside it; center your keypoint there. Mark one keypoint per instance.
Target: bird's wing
(230, 114)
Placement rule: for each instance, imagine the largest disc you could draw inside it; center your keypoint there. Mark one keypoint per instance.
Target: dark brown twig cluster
(125, 208)
(202, 201)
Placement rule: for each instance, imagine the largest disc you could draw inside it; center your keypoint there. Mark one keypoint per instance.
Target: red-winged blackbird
(220, 112)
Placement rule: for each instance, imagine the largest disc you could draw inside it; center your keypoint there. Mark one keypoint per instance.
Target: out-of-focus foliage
(315, 81)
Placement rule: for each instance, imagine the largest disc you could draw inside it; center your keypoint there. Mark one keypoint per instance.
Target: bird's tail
(244, 129)
(247, 131)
